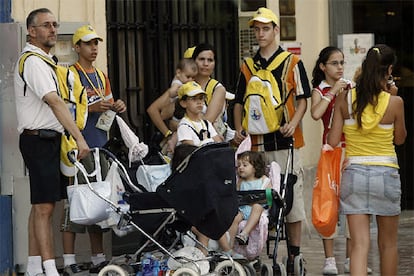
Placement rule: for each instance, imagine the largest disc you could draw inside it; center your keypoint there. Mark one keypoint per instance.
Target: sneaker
(38, 274)
(330, 267)
(242, 239)
(347, 268)
(237, 256)
(96, 268)
(75, 270)
(234, 255)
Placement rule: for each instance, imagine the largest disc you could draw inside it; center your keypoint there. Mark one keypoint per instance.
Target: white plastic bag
(86, 205)
(117, 190)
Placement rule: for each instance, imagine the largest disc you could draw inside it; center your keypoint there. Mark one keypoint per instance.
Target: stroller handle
(72, 154)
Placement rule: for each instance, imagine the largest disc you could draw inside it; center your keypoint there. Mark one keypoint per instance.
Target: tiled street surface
(313, 254)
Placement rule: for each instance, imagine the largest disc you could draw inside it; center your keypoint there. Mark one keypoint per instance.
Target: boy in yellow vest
(101, 111)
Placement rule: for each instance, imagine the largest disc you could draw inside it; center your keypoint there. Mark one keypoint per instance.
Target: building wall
(312, 26)
(90, 11)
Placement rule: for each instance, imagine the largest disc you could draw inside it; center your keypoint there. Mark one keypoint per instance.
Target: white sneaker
(348, 270)
(330, 267)
(346, 266)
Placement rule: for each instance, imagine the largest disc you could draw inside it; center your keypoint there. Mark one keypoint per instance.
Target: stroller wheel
(299, 266)
(229, 268)
(249, 269)
(266, 270)
(280, 270)
(112, 270)
(185, 271)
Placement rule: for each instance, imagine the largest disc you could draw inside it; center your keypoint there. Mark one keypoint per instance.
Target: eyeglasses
(336, 63)
(48, 25)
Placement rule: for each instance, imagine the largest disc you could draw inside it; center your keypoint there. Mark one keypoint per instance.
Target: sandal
(242, 239)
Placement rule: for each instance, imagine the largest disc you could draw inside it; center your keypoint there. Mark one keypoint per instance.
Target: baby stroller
(200, 193)
(275, 216)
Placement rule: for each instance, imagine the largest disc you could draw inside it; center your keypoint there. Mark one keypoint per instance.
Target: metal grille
(147, 38)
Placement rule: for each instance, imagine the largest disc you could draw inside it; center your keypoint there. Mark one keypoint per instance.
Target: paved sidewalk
(313, 254)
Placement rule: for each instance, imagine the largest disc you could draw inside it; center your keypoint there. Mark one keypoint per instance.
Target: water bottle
(164, 266)
(147, 265)
(123, 206)
(155, 267)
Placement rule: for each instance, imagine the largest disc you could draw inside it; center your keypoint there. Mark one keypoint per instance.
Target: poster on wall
(292, 46)
(355, 48)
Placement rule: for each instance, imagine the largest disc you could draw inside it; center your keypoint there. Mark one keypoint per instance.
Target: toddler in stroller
(253, 230)
(251, 171)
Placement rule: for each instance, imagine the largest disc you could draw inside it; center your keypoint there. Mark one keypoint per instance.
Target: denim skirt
(374, 190)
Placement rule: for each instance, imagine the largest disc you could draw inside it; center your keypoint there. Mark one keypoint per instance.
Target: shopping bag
(117, 191)
(87, 201)
(325, 198)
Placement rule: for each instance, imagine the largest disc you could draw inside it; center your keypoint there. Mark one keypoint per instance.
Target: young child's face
(245, 169)
(88, 50)
(194, 105)
(187, 74)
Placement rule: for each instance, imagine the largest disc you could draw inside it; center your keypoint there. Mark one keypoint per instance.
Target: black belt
(30, 132)
(42, 133)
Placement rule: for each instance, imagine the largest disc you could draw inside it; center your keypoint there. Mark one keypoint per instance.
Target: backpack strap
(210, 86)
(22, 60)
(200, 134)
(279, 59)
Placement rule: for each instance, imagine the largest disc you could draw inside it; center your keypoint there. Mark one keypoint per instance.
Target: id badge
(105, 120)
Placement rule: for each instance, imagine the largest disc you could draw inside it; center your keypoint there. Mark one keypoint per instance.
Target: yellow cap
(189, 52)
(85, 33)
(264, 15)
(190, 89)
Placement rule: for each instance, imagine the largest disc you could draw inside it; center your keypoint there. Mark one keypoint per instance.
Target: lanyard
(98, 90)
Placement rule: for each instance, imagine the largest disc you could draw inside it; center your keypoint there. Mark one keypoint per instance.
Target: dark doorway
(147, 38)
(392, 22)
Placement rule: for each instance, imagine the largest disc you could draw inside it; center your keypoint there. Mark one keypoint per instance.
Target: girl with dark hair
(372, 121)
(251, 168)
(327, 83)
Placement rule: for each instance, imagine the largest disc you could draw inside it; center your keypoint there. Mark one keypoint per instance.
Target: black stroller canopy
(203, 189)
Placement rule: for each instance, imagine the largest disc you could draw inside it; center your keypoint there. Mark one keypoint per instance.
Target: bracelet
(168, 133)
(326, 99)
